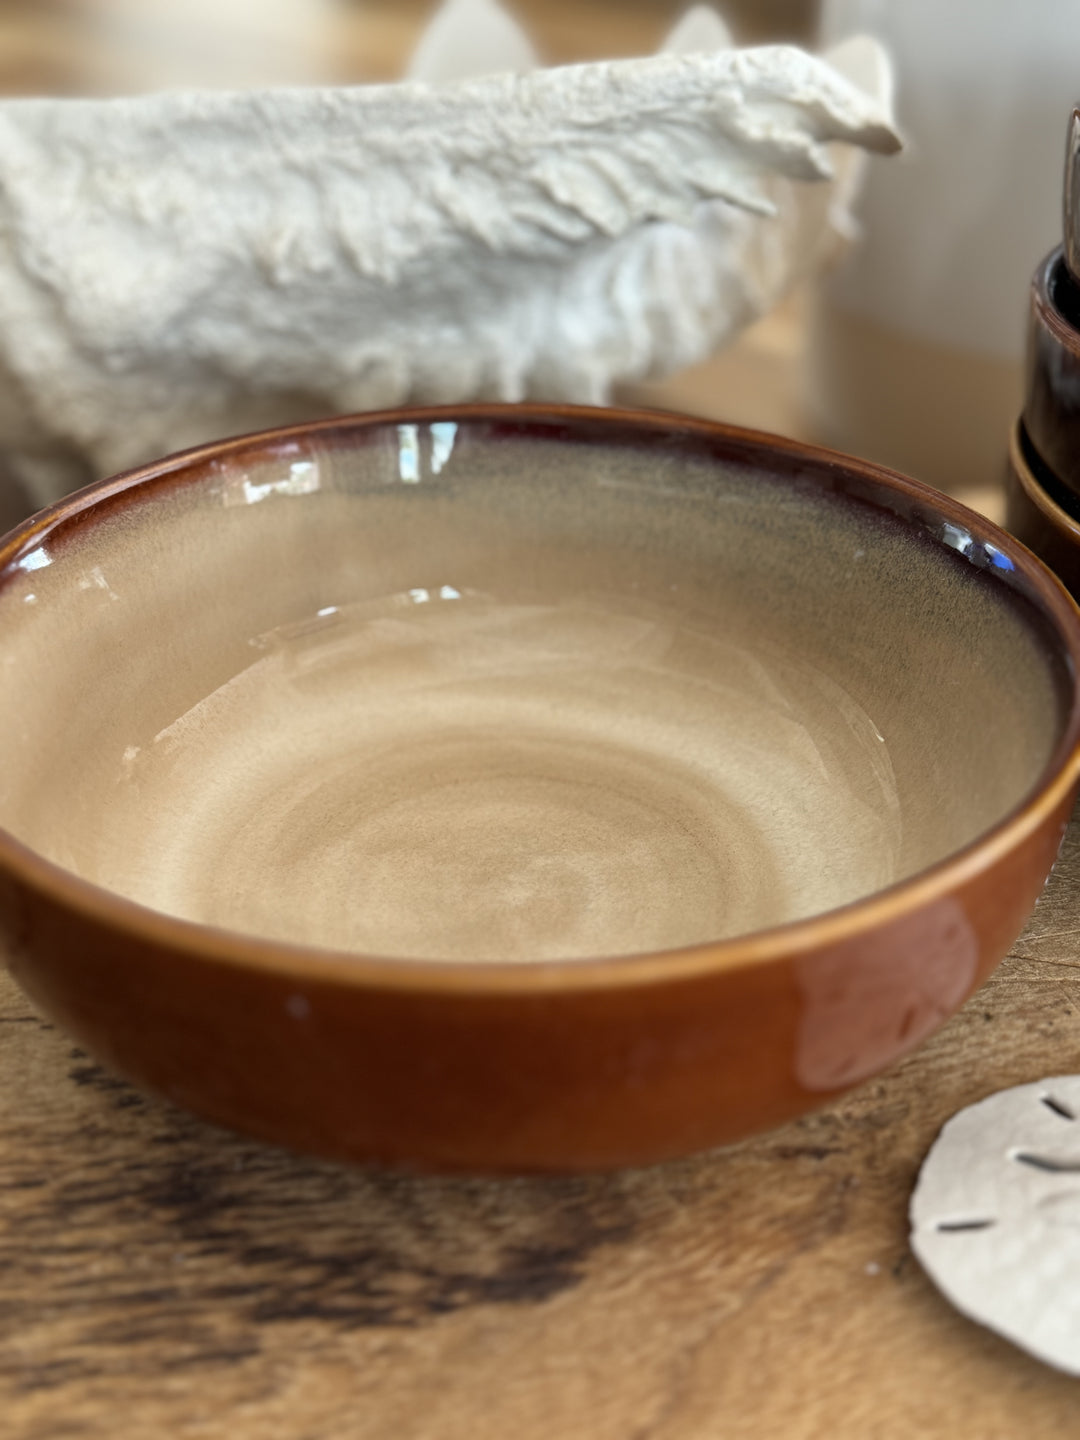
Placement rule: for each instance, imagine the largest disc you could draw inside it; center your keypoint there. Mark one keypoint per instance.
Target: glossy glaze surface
(446, 775)
(667, 561)
(493, 697)
(1036, 513)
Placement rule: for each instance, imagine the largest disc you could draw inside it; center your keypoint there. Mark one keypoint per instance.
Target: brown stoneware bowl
(520, 789)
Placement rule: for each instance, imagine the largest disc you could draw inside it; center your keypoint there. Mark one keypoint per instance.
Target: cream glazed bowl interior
(520, 788)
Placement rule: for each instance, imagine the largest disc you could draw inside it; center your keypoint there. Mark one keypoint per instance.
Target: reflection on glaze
(409, 453)
(443, 435)
(95, 579)
(444, 775)
(863, 1011)
(980, 553)
(35, 559)
(302, 479)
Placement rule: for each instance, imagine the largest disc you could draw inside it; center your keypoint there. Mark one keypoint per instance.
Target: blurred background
(102, 47)
(911, 354)
(116, 47)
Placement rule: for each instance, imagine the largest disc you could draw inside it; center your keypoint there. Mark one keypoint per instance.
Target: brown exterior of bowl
(541, 1067)
(1034, 515)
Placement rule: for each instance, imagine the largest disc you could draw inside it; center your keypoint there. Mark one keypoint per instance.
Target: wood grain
(162, 1277)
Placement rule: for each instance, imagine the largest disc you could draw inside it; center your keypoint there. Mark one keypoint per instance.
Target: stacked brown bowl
(1043, 491)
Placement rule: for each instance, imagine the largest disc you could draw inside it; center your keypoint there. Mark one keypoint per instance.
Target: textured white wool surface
(180, 266)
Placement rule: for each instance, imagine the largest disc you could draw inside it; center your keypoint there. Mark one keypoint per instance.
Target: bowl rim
(312, 965)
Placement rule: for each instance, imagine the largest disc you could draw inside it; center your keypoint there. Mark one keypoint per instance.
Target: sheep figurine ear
(699, 31)
(466, 38)
(861, 60)
(179, 266)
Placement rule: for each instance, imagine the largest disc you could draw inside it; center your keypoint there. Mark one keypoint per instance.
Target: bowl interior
(486, 691)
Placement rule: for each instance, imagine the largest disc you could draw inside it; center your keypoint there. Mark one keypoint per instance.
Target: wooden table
(162, 1278)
